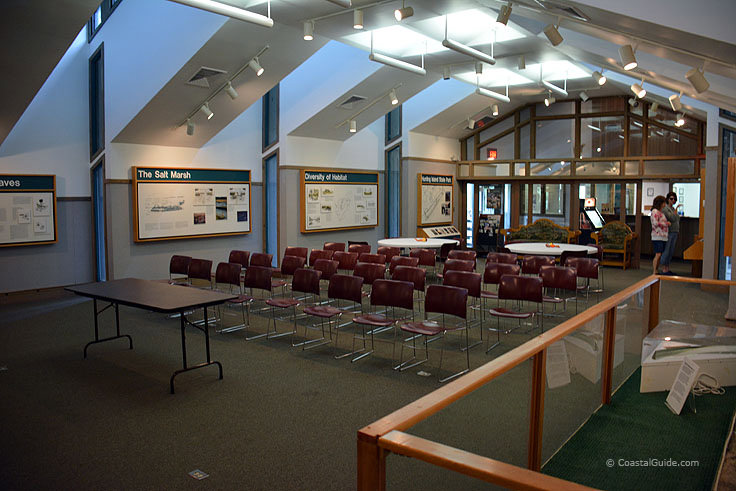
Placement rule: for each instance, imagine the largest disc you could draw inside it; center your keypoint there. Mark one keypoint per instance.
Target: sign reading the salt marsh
(335, 200)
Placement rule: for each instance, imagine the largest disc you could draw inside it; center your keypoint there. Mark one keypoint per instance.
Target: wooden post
(536, 411)
(654, 305)
(371, 464)
(609, 344)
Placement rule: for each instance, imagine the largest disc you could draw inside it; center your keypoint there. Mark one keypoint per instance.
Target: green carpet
(643, 438)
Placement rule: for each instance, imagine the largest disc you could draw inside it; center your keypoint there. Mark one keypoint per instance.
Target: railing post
(371, 464)
(609, 345)
(654, 304)
(536, 412)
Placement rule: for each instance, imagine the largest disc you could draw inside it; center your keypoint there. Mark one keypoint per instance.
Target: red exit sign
(491, 154)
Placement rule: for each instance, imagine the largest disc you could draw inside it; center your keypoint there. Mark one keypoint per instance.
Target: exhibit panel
(27, 210)
(333, 200)
(172, 203)
(435, 199)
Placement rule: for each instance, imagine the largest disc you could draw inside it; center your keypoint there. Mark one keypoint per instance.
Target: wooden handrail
(469, 464)
(702, 281)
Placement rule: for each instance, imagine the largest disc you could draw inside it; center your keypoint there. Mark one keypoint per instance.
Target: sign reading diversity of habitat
(335, 200)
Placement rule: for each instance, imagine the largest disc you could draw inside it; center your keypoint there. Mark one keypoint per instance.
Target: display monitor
(595, 218)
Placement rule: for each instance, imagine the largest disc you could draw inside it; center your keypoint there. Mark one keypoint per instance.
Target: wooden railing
(387, 435)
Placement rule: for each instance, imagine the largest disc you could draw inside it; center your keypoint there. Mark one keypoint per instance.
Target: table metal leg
(97, 327)
(185, 368)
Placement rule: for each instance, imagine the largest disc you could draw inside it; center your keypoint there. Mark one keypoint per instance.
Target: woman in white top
(660, 230)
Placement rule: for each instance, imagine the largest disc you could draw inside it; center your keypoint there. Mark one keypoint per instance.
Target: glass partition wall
(543, 160)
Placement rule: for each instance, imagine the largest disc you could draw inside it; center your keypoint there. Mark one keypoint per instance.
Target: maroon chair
(456, 265)
(416, 275)
(492, 276)
(179, 265)
(427, 258)
(334, 246)
(501, 257)
(587, 268)
(370, 272)
(566, 254)
(445, 250)
(531, 264)
(327, 267)
(367, 257)
(520, 288)
(342, 287)
(297, 251)
(240, 257)
(558, 278)
(458, 254)
(257, 278)
(392, 294)
(304, 281)
(440, 299)
(359, 248)
(228, 274)
(402, 261)
(261, 259)
(346, 260)
(389, 252)
(200, 270)
(289, 264)
(319, 254)
(471, 281)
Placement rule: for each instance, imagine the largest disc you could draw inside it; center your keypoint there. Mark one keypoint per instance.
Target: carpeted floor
(280, 419)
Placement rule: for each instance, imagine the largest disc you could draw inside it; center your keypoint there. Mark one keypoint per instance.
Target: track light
(675, 102)
(494, 109)
(553, 34)
(402, 65)
(549, 100)
(353, 126)
(680, 120)
(446, 73)
(357, 19)
(633, 102)
(403, 12)
(190, 127)
(471, 123)
(584, 96)
(697, 80)
(467, 50)
(393, 97)
(638, 90)
(599, 77)
(308, 30)
(521, 65)
(628, 60)
(256, 66)
(653, 110)
(492, 94)
(229, 11)
(504, 14)
(555, 88)
(231, 91)
(206, 110)
(478, 68)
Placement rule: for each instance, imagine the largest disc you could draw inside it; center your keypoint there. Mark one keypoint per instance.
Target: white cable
(702, 387)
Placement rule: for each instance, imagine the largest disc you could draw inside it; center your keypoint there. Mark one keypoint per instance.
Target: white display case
(585, 350)
(712, 348)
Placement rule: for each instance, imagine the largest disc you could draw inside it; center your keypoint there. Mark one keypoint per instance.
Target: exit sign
(492, 154)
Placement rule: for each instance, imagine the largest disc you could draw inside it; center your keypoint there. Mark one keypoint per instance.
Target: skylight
(470, 27)
(494, 77)
(396, 41)
(556, 70)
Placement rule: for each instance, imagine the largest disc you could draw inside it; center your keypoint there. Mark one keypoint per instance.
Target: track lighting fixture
(599, 77)
(521, 65)
(393, 97)
(633, 102)
(190, 127)
(403, 12)
(446, 73)
(504, 14)
(555, 88)
(628, 60)
(467, 50)
(308, 30)
(228, 11)
(402, 65)
(653, 110)
(353, 126)
(549, 100)
(680, 120)
(230, 90)
(553, 34)
(494, 109)
(478, 68)
(492, 94)
(638, 90)
(584, 96)
(357, 19)
(256, 66)
(675, 102)
(697, 80)
(471, 123)
(206, 110)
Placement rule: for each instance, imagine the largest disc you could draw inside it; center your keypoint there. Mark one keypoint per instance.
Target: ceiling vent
(351, 101)
(205, 76)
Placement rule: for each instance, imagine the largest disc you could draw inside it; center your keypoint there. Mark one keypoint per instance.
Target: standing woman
(671, 214)
(660, 229)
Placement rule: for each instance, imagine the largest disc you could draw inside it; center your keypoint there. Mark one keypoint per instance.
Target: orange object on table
(551, 245)
(421, 239)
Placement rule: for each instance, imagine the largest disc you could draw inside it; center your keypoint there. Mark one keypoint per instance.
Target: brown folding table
(157, 297)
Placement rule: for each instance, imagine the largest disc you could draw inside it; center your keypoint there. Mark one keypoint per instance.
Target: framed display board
(335, 200)
(172, 203)
(435, 199)
(27, 210)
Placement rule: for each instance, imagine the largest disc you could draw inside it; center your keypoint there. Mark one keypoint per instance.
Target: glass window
(554, 199)
(688, 198)
(524, 114)
(96, 104)
(97, 19)
(271, 117)
(103, 11)
(464, 170)
(271, 218)
(603, 104)
(504, 147)
(550, 200)
(556, 109)
(393, 190)
(520, 169)
(631, 198)
(663, 141)
(470, 204)
(555, 138)
(524, 143)
(608, 198)
(667, 167)
(598, 168)
(98, 207)
(561, 168)
(602, 137)
(523, 201)
(469, 149)
(393, 125)
(496, 129)
(632, 168)
(636, 131)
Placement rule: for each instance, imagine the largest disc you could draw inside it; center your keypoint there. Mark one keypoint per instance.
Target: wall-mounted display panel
(335, 200)
(27, 210)
(181, 203)
(435, 199)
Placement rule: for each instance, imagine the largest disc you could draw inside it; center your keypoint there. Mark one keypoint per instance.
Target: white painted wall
(432, 147)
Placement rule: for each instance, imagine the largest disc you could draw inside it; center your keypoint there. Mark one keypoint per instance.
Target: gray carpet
(280, 419)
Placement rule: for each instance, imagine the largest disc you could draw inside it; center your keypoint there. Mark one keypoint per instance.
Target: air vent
(204, 77)
(351, 101)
